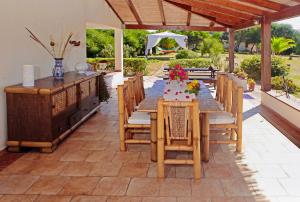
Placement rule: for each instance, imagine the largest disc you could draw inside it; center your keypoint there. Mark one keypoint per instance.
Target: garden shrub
(277, 83)
(186, 54)
(189, 63)
(131, 65)
(252, 67)
(134, 65)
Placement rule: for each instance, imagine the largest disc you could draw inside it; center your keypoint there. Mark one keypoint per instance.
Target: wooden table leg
(205, 137)
(153, 136)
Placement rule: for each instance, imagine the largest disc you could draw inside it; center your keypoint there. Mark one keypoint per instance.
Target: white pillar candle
(28, 75)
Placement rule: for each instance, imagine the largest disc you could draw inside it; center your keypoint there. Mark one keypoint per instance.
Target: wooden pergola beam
(266, 54)
(285, 13)
(219, 16)
(239, 7)
(162, 13)
(188, 21)
(134, 11)
(175, 27)
(231, 50)
(116, 13)
(266, 4)
(211, 7)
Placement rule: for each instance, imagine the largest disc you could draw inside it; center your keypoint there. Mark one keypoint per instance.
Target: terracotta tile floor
(88, 166)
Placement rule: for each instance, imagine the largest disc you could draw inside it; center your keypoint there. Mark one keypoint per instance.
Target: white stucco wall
(43, 17)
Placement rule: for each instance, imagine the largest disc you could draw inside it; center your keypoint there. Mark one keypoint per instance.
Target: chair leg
(122, 139)
(232, 134)
(239, 140)
(197, 160)
(160, 158)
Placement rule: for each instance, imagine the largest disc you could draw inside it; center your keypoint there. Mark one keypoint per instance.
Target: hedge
(252, 67)
(190, 63)
(131, 65)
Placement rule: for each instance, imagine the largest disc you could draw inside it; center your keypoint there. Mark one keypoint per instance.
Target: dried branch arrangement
(56, 50)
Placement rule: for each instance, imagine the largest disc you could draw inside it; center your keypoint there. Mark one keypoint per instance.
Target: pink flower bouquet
(178, 73)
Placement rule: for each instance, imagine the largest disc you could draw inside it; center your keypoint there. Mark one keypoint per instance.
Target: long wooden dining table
(207, 105)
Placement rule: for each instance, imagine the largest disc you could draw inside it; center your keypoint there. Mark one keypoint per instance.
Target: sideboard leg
(13, 149)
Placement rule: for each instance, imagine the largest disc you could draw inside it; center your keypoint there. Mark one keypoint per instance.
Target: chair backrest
(227, 95)
(237, 100)
(220, 87)
(132, 102)
(124, 102)
(178, 120)
(140, 78)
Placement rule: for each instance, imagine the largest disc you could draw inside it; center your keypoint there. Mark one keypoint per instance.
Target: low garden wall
(286, 111)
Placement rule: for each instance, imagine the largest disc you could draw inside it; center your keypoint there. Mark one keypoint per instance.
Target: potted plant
(251, 84)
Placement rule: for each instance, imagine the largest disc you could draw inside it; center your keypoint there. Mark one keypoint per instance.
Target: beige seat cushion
(221, 106)
(139, 118)
(221, 118)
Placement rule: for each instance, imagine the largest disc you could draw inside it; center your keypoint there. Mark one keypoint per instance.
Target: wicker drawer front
(59, 102)
(93, 86)
(85, 89)
(72, 95)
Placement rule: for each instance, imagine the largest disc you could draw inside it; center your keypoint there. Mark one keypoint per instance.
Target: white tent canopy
(154, 39)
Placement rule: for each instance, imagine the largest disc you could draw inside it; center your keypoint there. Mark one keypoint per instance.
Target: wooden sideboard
(43, 115)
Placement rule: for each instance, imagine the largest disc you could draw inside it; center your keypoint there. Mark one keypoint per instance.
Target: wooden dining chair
(130, 122)
(178, 130)
(231, 121)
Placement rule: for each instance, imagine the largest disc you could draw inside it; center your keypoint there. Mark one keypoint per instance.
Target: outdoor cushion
(221, 106)
(221, 118)
(139, 118)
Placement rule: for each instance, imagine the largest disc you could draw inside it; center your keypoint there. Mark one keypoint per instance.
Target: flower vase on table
(58, 70)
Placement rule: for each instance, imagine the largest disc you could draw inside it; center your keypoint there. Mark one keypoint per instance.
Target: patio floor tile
(89, 199)
(79, 155)
(175, 187)
(207, 188)
(143, 187)
(16, 198)
(100, 156)
(16, 184)
(48, 198)
(47, 185)
(112, 186)
(134, 170)
(47, 167)
(79, 186)
(77, 169)
(105, 169)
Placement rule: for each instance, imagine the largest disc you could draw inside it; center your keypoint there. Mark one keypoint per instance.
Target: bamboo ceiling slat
(123, 10)
(197, 20)
(148, 11)
(175, 15)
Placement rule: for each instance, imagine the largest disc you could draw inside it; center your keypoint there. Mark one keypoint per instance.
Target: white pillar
(119, 50)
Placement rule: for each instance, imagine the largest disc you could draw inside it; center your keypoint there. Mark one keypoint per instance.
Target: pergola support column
(266, 54)
(231, 50)
(119, 50)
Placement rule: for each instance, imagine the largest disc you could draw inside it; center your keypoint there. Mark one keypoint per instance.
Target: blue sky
(295, 22)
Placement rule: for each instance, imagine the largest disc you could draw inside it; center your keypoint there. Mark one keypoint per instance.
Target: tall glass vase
(58, 70)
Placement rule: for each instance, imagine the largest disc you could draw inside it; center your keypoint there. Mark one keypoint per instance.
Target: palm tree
(281, 44)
